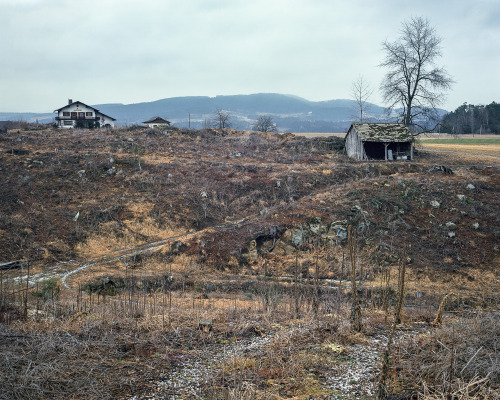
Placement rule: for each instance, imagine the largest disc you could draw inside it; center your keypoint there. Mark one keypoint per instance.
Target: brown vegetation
(135, 239)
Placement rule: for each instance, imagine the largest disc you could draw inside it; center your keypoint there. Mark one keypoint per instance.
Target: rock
(111, 171)
(451, 234)
(362, 226)
(315, 225)
(451, 225)
(340, 229)
(11, 265)
(435, 204)
(470, 186)
(297, 236)
(475, 225)
(18, 152)
(461, 197)
(282, 248)
(441, 168)
(81, 173)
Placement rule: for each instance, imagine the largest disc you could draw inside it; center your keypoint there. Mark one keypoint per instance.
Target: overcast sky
(130, 51)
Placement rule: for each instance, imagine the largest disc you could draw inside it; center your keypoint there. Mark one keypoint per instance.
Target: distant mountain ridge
(291, 113)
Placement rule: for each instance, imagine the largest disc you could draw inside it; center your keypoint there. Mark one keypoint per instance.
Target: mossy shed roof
(371, 132)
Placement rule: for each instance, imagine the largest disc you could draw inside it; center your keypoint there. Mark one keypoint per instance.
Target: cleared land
(216, 265)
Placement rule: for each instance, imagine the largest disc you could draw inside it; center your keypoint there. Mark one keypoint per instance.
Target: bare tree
(265, 123)
(361, 92)
(222, 119)
(413, 81)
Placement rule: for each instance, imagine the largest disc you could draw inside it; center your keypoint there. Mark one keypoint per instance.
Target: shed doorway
(374, 150)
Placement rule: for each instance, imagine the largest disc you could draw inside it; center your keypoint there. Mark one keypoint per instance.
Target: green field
(462, 141)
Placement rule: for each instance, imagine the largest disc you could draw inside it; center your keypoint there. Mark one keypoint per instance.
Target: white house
(79, 115)
(157, 122)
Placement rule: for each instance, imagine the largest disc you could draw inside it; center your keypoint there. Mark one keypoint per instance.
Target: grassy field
(489, 145)
(463, 141)
(433, 136)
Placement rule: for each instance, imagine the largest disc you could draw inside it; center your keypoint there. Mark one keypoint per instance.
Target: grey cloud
(129, 51)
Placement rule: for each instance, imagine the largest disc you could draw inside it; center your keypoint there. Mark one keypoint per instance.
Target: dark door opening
(374, 150)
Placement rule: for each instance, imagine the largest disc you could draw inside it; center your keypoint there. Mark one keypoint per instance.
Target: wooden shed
(371, 141)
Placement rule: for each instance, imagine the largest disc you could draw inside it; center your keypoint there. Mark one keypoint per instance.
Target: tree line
(470, 118)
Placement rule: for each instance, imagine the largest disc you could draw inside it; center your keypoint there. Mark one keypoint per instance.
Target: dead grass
(485, 149)
(136, 323)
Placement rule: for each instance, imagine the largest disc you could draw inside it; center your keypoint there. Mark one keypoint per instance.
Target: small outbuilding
(157, 122)
(384, 141)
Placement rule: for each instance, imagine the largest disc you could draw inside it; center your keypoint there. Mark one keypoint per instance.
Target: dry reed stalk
(356, 322)
(296, 287)
(439, 316)
(382, 391)
(401, 287)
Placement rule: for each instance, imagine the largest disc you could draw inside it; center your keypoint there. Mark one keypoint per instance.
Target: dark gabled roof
(383, 132)
(157, 120)
(76, 102)
(100, 112)
(86, 105)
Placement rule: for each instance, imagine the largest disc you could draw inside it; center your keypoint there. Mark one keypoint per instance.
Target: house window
(81, 115)
(68, 122)
(65, 113)
(88, 114)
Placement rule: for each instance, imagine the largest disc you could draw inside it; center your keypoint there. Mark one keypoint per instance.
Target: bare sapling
(356, 323)
(386, 279)
(316, 288)
(296, 294)
(382, 391)
(401, 287)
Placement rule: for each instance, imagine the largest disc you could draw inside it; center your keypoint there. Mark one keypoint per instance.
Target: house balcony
(76, 118)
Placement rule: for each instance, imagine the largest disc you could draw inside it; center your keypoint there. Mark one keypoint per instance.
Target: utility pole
(189, 119)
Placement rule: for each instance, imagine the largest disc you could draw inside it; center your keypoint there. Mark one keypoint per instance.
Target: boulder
(451, 225)
(340, 229)
(435, 204)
